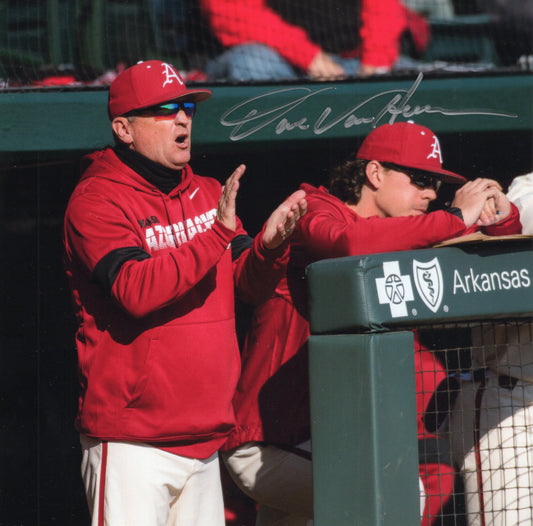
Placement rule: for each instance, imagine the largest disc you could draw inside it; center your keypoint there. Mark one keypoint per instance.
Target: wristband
(456, 212)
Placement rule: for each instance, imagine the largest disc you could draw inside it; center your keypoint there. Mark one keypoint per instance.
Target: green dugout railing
(362, 383)
(41, 123)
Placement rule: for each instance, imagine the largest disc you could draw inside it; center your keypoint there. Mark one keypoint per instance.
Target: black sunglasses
(170, 109)
(420, 179)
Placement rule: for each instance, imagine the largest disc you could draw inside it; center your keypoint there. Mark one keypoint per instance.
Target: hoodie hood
(322, 194)
(104, 164)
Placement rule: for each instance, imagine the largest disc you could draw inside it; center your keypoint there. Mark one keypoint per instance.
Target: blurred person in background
(277, 39)
(490, 422)
(512, 29)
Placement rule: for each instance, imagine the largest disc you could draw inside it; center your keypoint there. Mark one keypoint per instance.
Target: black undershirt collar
(163, 178)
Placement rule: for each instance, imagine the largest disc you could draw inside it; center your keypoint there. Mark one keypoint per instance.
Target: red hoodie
(157, 353)
(271, 402)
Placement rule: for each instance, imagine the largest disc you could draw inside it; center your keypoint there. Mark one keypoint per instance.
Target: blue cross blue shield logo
(394, 289)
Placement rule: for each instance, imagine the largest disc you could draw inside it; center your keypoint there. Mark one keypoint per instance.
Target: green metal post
(363, 413)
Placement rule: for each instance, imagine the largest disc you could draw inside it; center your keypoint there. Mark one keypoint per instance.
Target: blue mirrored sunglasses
(170, 109)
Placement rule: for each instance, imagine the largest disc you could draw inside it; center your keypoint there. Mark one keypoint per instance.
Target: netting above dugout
(76, 43)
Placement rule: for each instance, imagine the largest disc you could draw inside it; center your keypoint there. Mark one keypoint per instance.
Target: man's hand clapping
(282, 221)
(226, 211)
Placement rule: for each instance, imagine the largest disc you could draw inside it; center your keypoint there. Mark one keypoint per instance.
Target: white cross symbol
(394, 289)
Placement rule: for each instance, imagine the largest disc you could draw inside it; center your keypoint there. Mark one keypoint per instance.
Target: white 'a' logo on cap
(170, 75)
(436, 150)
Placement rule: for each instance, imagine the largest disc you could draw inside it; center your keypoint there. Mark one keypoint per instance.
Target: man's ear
(122, 128)
(374, 174)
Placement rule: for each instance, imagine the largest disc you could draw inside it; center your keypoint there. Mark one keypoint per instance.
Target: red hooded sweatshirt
(158, 359)
(272, 398)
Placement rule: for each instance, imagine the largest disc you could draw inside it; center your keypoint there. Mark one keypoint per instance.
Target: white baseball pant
(280, 481)
(135, 484)
(492, 441)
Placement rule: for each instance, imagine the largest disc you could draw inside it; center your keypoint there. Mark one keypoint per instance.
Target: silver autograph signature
(246, 119)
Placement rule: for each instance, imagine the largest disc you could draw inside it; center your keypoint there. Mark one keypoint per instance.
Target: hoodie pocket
(145, 374)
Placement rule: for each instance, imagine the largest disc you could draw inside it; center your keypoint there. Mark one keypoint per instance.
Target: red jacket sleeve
(258, 271)
(94, 228)
(237, 22)
(382, 24)
(326, 236)
(143, 287)
(510, 225)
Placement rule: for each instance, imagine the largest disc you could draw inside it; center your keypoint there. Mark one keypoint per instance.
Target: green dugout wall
(48, 123)
(363, 411)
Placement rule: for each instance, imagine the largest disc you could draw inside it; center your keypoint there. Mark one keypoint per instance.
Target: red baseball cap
(147, 84)
(410, 145)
